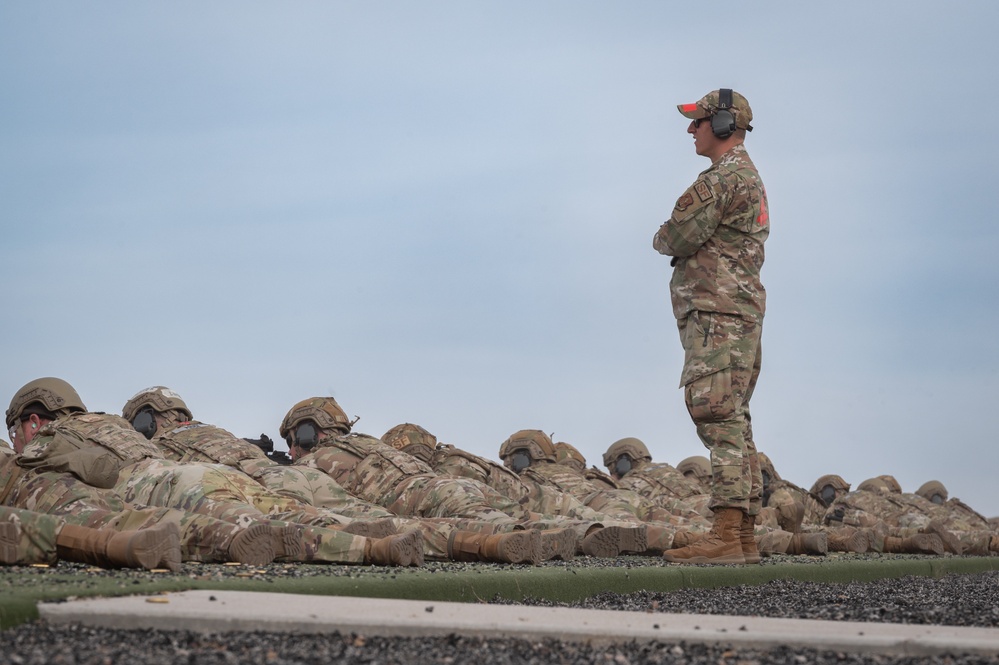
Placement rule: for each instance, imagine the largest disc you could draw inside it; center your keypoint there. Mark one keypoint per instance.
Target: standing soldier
(715, 236)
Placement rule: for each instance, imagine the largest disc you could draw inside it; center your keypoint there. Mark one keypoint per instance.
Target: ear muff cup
(145, 423)
(723, 121)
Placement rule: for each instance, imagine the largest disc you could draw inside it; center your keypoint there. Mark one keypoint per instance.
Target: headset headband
(724, 98)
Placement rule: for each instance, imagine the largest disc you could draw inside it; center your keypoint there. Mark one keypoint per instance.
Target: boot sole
(157, 547)
(613, 541)
(522, 547)
(255, 545)
(950, 541)
(407, 549)
(561, 544)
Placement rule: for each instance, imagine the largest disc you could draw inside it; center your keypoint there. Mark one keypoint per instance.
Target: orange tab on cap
(686, 108)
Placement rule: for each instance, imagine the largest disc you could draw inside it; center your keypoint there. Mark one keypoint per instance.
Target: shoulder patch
(704, 192)
(684, 202)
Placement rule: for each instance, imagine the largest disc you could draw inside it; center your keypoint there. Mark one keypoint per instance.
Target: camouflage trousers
(231, 496)
(721, 366)
(62, 495)
(27, 537)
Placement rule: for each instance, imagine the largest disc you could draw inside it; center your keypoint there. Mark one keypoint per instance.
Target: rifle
(266, 444)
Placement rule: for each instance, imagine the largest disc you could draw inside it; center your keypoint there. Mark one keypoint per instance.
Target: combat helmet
(323, 411)
(891, 483)
(876, 485)
(525, 447)
(402, 436)
(51, 394)
(827, 486)
(623, 453)
(697, 466)
(933, 490)
(568, 455)
(767, 468)
(157, 398)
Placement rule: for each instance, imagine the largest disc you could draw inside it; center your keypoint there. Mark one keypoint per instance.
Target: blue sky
(442, 213)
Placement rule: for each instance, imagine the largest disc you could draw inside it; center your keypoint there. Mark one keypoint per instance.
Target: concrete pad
(220, 611)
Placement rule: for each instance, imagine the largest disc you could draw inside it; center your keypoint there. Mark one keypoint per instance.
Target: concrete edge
(226, 611)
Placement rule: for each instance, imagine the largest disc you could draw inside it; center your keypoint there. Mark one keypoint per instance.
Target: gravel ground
(960, 600)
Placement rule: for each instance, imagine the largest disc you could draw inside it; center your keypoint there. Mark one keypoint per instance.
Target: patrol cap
(55, 395)
(323, 411)
(159, 398)
(407, 434)
(706, 106)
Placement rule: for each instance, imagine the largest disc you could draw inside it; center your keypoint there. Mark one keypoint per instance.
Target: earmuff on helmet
(622, 465)
(723, 120)
(306, 436)
(144, 422)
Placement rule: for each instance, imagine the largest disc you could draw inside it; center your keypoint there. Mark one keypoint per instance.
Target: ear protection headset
(622, 465)
(306, 436)
(144, 422)
(722, 120)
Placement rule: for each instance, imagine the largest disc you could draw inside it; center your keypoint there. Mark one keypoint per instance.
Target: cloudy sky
(442, 213)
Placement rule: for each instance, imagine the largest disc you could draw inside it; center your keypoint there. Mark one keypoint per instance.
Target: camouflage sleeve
(695, 218)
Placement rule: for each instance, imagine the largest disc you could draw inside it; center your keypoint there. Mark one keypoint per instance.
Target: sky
(442, 213)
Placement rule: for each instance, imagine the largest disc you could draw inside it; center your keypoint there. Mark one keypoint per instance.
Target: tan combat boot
(260, 544)
(514, 547)
(611, 541)
(721, 545)
(808, 543)
(923, 543)
(559, 544)
(847, 539)
(950, 542)
(747, 537)
(405, 549)
(155, 547)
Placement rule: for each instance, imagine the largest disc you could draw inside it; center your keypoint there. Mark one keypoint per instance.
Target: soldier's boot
(9, 537)
(379, 528)
(155, 547)
(559, 544)
(259, 544)
(611, 541)
(978, 545)
(847, 539)
(875, 537)
(774, 542)
(514, 547)
(950, 542)
(923, 543)
(404, 549)
(747, 537)
(721, 545)
(808, 543)
(684, 538)
(790, 516)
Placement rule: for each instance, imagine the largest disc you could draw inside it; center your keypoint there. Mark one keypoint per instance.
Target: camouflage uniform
(377, 472)
(63, 495)
(27, 537)
(144, 477)
(199, 442)
(715, 236)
